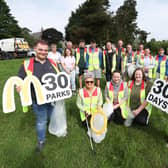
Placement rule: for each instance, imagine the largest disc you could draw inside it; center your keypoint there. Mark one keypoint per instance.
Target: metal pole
(90, 138)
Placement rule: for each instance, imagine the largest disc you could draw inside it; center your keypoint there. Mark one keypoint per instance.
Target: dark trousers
(117, 116)
(84, 125)
(142, 117)
(108, 76)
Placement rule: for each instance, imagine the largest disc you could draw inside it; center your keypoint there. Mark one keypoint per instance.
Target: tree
(51, 35)
(89, 21)
(141, 35)
(26, 33)
(9, 26)
(156, 45)
(93, 20)
(125, 21)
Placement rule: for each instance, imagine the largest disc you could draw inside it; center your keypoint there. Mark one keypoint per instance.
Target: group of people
(127, 93)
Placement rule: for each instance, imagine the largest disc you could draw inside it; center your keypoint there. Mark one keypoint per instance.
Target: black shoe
(40, 146)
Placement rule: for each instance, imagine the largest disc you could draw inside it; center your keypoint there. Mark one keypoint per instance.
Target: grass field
(134, 147)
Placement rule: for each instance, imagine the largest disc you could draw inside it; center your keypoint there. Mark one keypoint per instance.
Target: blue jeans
(42, 112)
(72, 79)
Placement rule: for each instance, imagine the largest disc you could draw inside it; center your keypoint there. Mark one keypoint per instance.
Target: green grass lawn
(134, 147)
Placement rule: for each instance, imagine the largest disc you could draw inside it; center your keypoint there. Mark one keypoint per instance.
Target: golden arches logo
(8, 101)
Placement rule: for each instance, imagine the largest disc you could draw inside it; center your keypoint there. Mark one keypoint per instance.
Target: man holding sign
(38, 67)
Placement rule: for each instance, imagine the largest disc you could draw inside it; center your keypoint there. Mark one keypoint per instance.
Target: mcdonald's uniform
(78, 55)
(163, 68)
(89, 102)
(142, 95)
(29, 69)
(113, 61)
(124, 111)
(125, 60)
(150, 69)
(94, 61)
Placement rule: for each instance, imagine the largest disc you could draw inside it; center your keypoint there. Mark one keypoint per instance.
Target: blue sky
(34, 14)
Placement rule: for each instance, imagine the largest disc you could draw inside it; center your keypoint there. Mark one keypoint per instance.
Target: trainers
(40, 146)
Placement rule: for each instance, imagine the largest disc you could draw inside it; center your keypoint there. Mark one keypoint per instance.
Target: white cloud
(152, 17)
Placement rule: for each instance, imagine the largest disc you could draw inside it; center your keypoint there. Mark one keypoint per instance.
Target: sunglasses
(89, 82)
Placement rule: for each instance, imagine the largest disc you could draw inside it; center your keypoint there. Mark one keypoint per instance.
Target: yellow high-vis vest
(124, 111)
(150, 71)
(94, 63)
(123, 52)
(78, 55)
(125, 60)
(142, 95)
(113, 61)
(162, 67)
(140, 54)
(90, 103)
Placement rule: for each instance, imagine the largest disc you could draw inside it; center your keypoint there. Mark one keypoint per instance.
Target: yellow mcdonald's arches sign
(8, 100)
(54, 88)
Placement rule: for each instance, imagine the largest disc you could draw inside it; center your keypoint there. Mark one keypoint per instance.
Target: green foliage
(93, 20)
(125, 21)
(51, 35)
(137, 146)
(9, 26)
(156, 45)
(89, 21)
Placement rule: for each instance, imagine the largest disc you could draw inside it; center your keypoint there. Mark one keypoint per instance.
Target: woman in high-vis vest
(147, 63)
(161, 66)
(138, 90)
(89, 98)
(116, 92)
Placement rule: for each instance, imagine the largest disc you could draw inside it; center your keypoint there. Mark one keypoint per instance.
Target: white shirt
(56, 57)
(69, 61)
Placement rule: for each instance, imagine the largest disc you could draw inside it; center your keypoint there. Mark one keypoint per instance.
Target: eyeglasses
(89, 82)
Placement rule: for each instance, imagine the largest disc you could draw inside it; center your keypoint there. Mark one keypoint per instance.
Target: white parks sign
(56, 87)
(158, 95)
(53, 88)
